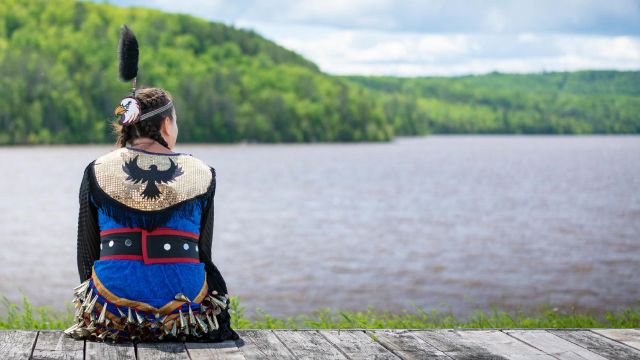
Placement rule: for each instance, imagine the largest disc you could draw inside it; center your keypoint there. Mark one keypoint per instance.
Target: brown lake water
(501, 219)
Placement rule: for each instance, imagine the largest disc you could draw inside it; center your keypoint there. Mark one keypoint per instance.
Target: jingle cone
(192, 318)
(201, 326)
(140, 318)
(92, 304)
(115, 336)
(123, 316)
(165, 327)
(183, 322)
(159, 322)
(222, 305)
(80, 288)
(181, 297)
(215, 322)
(85, 302)
(103, 313)
(210, 323)
(72, 329)
(84, 291)
(78, 314)
(103, 336)
(174, 329)
(77, 334)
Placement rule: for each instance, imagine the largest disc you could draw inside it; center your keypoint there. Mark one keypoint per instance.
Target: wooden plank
(407, 346)
(504, 345)
(262, 344)
(358, 345)
(109, 350)
(598, 344)
(162, 351)
(455, 345)
(54, 345)
(308, 345)
(553, 345)
(628, 337)
(226, 350)
(17, 344)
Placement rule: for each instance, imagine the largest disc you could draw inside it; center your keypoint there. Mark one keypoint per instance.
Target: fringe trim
(148, 220)
(95, 322)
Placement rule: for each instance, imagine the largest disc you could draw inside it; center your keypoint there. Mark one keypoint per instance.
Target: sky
(436, 37)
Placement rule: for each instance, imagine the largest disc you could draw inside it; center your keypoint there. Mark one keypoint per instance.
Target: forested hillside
(58, 79)
(602, 102)
(58, 85)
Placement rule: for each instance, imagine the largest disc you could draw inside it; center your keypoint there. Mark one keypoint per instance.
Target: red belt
(162, 245)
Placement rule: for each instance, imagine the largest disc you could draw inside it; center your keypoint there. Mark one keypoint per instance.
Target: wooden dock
(592, 344)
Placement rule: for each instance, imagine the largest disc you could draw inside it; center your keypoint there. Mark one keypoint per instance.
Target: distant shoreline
(406, 137)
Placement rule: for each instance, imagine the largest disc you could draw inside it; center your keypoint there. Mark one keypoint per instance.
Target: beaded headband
(156, 111)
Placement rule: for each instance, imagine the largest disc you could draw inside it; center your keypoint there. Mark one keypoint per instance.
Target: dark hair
(150, 99)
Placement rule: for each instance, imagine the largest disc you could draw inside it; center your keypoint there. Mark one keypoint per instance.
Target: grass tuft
(541, 316)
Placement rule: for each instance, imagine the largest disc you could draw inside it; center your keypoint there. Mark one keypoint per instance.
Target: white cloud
(527, 38)
(495, 20)
(444, 44)
(437, 37)
(388, 51)
(413, 54)
(619, 48)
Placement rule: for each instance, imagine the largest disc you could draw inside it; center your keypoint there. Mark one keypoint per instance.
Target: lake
(500, 219)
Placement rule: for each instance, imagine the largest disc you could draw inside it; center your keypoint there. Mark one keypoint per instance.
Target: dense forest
(601, 102)
(58, 85)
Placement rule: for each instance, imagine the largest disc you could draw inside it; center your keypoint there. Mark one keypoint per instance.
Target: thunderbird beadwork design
(151, 182)
(151, 176)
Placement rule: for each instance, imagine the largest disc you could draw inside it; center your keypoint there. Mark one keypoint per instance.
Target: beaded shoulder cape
(142, 189)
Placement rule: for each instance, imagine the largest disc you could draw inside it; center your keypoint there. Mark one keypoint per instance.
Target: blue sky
(436, 37)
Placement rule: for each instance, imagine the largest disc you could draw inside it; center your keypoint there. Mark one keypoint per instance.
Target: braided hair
(150, 99)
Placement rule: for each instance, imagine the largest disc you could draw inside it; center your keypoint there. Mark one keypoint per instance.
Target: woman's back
(144, 247)
(137, 191)
(145, 230)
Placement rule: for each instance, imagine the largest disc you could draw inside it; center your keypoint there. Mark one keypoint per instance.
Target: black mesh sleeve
(88, 228)
(214, 278)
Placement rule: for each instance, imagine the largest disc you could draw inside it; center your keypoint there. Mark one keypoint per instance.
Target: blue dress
(144, 251)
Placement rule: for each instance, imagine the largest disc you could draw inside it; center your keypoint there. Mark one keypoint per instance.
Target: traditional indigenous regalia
(144, 249)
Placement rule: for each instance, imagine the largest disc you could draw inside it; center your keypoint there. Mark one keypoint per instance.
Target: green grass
(541, 316)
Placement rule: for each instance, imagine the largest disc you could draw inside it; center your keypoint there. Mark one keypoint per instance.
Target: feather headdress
(128, 53)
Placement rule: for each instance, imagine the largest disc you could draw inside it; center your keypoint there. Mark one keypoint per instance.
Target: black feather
(127, 55)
